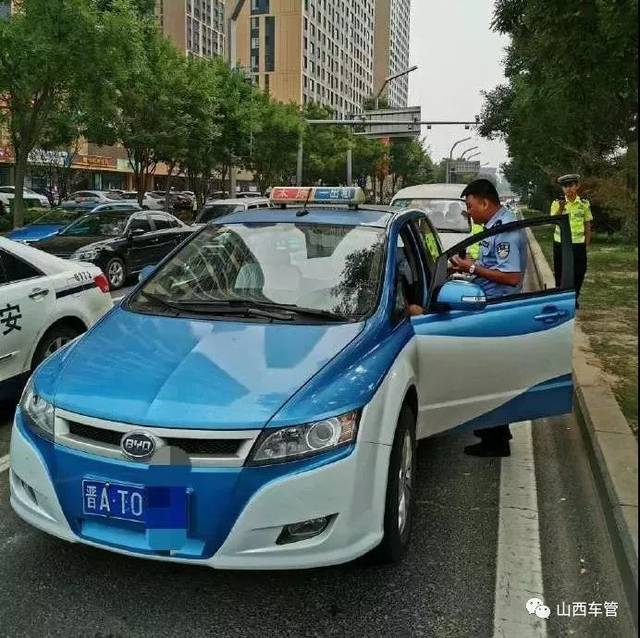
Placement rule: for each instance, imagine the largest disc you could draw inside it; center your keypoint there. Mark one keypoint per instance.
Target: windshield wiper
(268, 305)
(221, 308)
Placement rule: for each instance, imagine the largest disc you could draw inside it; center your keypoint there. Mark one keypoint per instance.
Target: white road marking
(519, 564)
(4, 463)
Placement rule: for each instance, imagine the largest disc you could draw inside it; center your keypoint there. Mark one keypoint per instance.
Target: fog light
(302, 531)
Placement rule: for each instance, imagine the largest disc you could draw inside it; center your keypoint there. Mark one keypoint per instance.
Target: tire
(52, 340)
(398, 511)
(116, 273)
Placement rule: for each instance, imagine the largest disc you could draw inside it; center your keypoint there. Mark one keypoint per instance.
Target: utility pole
(231, 58)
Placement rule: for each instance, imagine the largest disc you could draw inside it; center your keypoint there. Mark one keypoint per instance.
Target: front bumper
(253, 505)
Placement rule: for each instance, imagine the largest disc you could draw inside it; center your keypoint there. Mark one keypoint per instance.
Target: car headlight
(85, 255)
(40, 413)
(302, 441)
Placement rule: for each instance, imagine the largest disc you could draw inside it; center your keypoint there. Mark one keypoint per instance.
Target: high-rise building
(194, 26)
(392, 49)
(309, 50)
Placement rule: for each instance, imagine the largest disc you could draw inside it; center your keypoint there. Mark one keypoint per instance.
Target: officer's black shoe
(482, 434)
(484, 449)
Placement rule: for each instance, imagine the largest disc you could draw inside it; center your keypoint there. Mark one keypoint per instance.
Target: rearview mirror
(146, 272)
(461, 295)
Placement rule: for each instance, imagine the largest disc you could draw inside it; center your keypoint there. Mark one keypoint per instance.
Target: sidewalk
(614, 448)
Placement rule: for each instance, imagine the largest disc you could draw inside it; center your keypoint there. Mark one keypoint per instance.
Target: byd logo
(138, 445)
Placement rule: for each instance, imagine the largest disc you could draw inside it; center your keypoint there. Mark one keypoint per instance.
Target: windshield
(217, 210)
(336, 269)
(58, 216)
(110, 224)
(445, 214)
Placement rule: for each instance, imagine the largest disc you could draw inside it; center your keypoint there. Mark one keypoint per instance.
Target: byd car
(255, 402)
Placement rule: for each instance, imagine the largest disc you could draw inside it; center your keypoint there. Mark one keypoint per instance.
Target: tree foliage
(274, 142)
(570, 100)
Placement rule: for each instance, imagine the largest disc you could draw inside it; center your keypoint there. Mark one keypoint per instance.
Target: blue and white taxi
(45, 302)
(255, 402)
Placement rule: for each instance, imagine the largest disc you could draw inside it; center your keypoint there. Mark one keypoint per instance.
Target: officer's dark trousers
(579, 264)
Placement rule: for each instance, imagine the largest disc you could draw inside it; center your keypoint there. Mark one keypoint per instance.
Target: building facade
(309, 50)
(393, 19)
(196, 27)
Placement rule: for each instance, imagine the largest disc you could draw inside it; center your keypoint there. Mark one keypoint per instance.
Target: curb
(613, 447)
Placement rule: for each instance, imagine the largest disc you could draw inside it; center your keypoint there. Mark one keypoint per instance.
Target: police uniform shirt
(579, 211)
(505, 252)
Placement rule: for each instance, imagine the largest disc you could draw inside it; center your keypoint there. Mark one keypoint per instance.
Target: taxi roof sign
(346, 195)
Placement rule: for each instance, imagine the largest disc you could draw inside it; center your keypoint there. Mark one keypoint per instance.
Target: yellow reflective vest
(579, 211)
(474, 250)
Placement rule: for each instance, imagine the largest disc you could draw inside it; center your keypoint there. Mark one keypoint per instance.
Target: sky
(458, 57)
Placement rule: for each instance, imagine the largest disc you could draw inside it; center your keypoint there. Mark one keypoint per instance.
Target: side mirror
(146, 272)
(461, 295)
(135, 232)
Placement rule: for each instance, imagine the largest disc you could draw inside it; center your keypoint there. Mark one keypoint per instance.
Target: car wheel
(53, 340)
(116, 273)
(398, 512)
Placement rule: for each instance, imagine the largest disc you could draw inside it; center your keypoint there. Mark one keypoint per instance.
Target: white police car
(45, 302)
(255, 402)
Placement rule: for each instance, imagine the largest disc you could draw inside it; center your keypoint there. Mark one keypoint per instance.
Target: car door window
(16, 269)
(409, 276)
(142, 223)
(162, 222)
(430, 242)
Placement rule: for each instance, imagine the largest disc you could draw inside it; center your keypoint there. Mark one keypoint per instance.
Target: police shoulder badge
(503, 249)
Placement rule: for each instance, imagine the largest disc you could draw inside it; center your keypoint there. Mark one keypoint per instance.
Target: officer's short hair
(484, 189)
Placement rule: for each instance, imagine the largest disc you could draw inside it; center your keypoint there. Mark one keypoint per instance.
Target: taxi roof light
(350, 196)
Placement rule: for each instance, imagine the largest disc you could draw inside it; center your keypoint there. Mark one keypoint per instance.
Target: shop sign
(95, 161)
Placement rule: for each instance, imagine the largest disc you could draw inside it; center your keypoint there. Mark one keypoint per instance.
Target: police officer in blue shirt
(499, 270)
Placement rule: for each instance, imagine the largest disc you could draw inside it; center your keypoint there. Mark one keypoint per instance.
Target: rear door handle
(551, 314)
(38, 292)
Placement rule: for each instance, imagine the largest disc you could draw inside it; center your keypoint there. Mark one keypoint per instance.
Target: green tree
(50, 52)
(571, 96)
(410, 163)
(145, 109)
(202, 131)
(325, 148)
(274, 142)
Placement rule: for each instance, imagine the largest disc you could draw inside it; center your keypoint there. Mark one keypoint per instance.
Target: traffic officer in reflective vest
(499, 271)
(580, 218)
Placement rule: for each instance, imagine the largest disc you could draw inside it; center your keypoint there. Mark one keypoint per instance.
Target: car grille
(203, 447)
(199, 447)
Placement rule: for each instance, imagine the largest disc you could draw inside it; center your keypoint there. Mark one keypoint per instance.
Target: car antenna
(304, 211)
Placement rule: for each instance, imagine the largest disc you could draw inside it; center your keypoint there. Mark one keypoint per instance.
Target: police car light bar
(346, 195)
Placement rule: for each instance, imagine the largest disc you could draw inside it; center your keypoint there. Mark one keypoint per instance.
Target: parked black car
(120, 242)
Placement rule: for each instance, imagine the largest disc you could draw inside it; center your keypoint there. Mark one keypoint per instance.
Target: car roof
(238, 201)
(377, 217)
(38, 258)
(431, 191)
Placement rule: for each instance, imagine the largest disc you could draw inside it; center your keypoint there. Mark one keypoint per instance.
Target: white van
(444, 206)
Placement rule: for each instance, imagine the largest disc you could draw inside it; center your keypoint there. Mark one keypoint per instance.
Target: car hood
(185, 373)
(35, 232)
(64, 245)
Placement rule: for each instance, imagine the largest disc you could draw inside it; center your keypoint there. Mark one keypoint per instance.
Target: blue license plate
(155, 507)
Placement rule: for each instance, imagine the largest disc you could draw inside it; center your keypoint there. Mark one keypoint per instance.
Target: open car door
(489, 361)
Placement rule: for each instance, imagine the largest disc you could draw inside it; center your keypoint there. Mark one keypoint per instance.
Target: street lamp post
(466, 150)
(231, 58)
(474, 155)
(393, 77)
(448, 176)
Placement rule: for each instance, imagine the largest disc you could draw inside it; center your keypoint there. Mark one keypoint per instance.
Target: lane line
(4, 463)
(519, 563)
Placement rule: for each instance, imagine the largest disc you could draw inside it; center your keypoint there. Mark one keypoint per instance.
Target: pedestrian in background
(580, 218)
